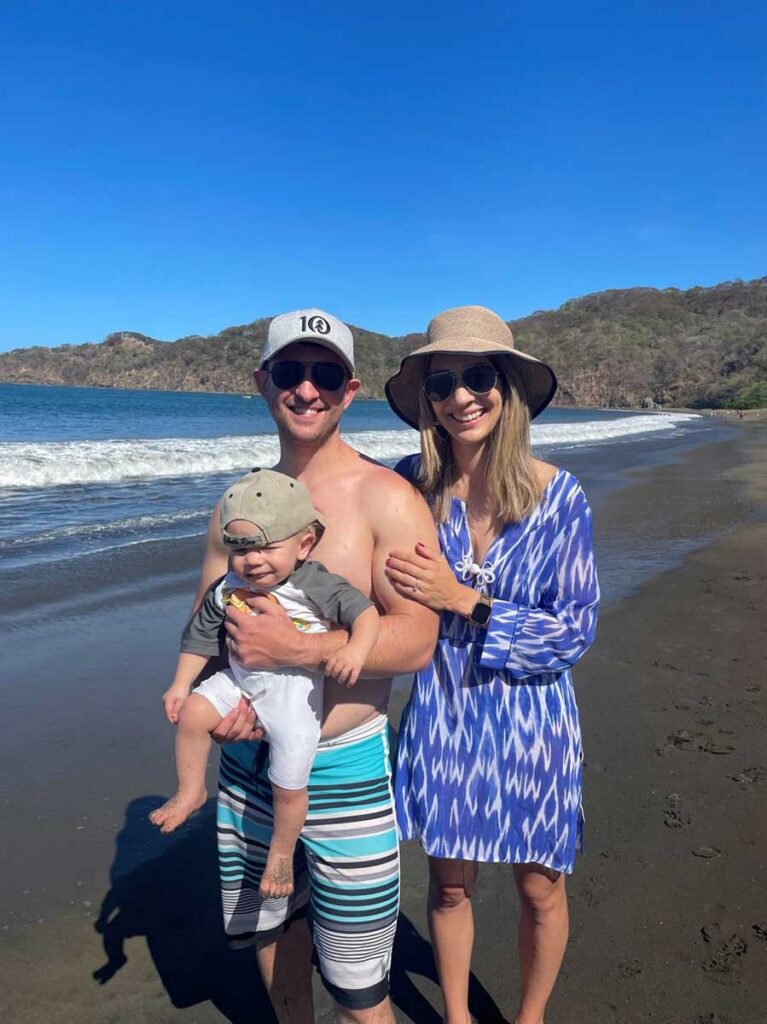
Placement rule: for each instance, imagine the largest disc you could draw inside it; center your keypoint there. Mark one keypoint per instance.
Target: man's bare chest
(347, 545)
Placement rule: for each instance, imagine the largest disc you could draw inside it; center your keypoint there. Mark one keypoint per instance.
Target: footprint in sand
(683, 739)
(629, 970)
(595, 892)
(727, 951)
(711, 747)
(673, 815)
(760, 931)
(750, 776)
(707, 852)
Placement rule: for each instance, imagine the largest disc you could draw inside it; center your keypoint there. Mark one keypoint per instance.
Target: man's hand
(267, 640)
(240, 724)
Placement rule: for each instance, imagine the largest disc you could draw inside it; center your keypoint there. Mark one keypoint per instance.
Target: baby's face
(270, 565)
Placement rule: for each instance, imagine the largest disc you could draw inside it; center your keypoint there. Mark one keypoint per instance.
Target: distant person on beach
(269, 526)
(348, 846)
(489, 757)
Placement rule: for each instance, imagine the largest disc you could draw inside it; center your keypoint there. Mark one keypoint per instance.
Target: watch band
(480, 613)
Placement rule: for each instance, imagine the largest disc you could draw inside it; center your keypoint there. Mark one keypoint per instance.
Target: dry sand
(668, 904)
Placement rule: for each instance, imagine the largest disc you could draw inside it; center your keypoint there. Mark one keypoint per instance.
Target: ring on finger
(416, 585)
(230, 641)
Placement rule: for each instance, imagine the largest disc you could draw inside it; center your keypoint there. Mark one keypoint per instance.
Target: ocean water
(88, 470)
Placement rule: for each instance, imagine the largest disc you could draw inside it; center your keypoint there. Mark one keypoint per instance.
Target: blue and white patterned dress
(489, 756)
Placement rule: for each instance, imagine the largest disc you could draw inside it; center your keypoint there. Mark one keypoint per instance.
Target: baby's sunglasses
(480, 379)
(289, 373)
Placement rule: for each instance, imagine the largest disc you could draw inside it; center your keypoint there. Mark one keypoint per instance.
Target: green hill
(622, 348)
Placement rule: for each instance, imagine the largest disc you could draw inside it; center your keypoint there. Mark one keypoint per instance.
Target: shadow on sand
(413, 956)
(166, 890)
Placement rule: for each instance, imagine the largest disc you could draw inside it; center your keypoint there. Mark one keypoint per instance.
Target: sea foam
(53, 464)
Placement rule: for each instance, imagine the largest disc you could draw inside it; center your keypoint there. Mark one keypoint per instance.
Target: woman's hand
(425, 576)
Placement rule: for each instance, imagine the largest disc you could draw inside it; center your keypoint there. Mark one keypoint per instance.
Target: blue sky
(178, 167)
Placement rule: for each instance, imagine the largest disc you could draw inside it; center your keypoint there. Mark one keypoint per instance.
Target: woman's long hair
(511, 486)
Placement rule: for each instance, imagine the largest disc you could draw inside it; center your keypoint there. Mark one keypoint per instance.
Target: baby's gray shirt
(331, 596)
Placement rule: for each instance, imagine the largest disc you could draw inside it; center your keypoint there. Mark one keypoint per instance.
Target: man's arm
(408, 630)
(398, 517)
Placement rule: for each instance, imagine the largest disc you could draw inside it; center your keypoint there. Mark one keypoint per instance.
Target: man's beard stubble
(326, 426)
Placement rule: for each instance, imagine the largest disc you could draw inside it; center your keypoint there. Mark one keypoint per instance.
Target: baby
(270, 526)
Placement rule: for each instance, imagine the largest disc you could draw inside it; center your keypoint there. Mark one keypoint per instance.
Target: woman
(489, 760)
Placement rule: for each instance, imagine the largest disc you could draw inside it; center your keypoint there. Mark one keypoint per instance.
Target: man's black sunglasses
(480, 379)
(289, 373)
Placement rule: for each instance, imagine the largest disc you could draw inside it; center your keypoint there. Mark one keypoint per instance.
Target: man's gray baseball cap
(277, 505)
(313, 325)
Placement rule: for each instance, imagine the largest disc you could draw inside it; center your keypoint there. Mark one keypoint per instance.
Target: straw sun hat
(470, 330)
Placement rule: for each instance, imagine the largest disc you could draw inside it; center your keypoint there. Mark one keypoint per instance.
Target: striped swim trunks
(346, 865)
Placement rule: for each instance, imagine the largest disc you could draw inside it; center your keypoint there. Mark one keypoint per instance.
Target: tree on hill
(617, 348)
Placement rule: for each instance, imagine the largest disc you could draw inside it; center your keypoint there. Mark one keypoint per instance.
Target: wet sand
(103, 920)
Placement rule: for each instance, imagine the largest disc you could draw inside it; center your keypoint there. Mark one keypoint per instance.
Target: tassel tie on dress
(480, 575)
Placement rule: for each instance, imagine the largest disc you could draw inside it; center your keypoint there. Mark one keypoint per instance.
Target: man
(350, 851)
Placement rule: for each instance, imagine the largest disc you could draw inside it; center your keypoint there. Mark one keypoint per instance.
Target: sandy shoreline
(669, 905)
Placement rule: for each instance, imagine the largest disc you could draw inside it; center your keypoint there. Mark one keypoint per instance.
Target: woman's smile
(467, 417)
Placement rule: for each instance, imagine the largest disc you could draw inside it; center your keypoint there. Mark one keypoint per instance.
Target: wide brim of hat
(538, 379)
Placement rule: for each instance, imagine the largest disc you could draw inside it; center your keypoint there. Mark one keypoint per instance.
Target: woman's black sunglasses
(289, 373)
(480, 379)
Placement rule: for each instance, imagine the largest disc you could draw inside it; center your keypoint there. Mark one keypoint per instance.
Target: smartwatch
(480, 613)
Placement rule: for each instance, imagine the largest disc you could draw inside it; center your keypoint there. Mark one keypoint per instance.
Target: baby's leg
(291, 711)
(290, 807)
(197, 720)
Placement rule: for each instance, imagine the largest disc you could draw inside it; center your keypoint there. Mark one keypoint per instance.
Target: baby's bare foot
(177, 810)
(277, 879)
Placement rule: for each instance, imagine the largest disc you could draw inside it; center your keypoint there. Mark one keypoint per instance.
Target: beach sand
(103, 920)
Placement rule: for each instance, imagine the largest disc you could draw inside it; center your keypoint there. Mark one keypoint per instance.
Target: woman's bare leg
(543, 931)
(196, 721)
(451, 926)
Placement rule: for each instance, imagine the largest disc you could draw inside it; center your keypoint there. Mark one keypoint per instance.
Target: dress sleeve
(524, 641)
(202, 634)
(408, 467)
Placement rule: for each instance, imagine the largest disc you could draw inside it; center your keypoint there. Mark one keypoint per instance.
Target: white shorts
(288, 705)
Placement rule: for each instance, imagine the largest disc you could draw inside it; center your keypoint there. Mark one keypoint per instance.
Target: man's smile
(306, 410)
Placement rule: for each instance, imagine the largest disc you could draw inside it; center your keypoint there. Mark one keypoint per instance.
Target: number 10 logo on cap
(315, 324)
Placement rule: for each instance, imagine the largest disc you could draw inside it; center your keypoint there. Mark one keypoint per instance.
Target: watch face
(481, 614)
